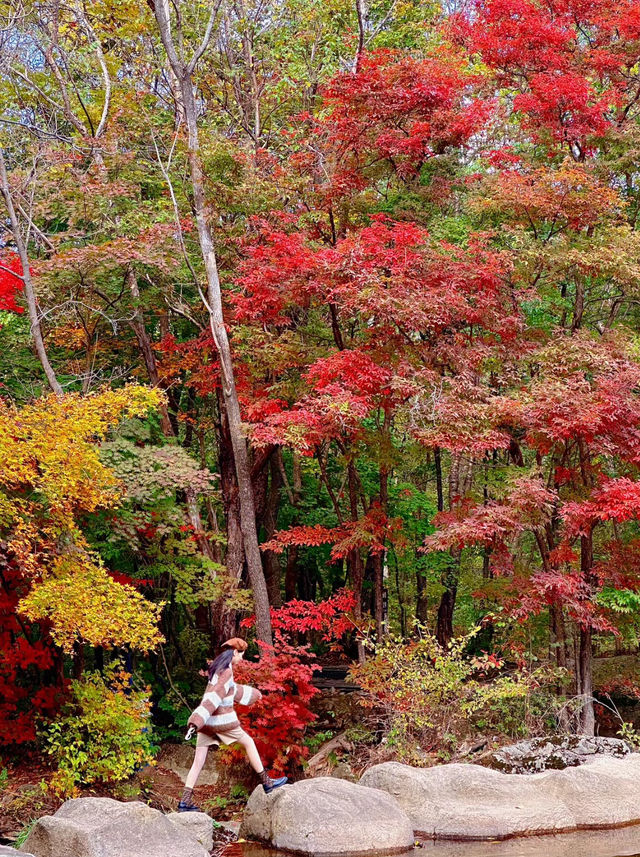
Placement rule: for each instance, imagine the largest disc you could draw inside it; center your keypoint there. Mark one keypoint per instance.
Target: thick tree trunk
(444, 623)
(213, 302)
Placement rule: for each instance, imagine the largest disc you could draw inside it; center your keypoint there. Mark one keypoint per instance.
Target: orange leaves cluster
(371, 531)
(571, 195)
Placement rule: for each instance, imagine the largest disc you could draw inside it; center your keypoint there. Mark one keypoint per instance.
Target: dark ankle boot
(186, 803)
(268, 784)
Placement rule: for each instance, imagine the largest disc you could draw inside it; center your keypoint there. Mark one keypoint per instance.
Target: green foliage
(21, 838)
(432, 697)
(239, 792)
(314, 742)
(103, 734)
(619, 600)
(630, 734)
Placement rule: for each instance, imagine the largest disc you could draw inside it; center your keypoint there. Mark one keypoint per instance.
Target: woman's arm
(213, 696)
(246, 695)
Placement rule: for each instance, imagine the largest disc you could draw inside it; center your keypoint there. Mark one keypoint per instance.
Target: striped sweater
(215, 713)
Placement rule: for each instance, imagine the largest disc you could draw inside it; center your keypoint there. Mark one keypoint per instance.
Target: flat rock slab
(102, 827)
(327, 816)
(623, 842)
(602, 794)
(7, 851)
(469, 802)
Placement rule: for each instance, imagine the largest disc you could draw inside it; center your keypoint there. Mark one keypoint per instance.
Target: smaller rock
(543, 754)
(103, 827)
(7, 851)
(342, 771)
(230, 826)
(197, 824)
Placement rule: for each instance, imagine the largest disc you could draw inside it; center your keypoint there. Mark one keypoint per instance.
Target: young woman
(215, 721)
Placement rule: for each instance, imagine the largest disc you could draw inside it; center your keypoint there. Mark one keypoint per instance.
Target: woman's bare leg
(198, 764)
(252, 753)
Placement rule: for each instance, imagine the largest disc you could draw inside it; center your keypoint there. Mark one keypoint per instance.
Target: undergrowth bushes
(102, 734)
(430, 698)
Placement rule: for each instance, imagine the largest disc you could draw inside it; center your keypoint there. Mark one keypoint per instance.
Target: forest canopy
(318, 323)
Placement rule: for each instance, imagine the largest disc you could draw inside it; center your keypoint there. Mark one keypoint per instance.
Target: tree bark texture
(213, 300)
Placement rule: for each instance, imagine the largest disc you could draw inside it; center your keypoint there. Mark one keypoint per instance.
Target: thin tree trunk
(379, 558)
(586, 681)
(146, 349)
(270, 523)
(356, 565)
(361, 13)
(291, 574)
(586, 646)
(422, 603)
(291, 571)
(225, 618)
(213, 302)
(449, 579)
(29, 291)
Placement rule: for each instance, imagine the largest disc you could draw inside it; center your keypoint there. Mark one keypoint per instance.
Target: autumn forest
(319, 326)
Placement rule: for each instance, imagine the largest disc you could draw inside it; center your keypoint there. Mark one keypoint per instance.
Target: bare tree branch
(32, 304)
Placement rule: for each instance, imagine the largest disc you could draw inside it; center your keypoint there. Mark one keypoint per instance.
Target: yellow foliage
(50, 447)
(51, 473)
(82, 602)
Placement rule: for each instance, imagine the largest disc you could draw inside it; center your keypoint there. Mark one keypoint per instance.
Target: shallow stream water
(621, 842)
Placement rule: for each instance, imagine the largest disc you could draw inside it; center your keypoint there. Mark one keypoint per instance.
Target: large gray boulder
(198, 825)
(471, 802)
(101, 827)
(468, 801)
(327, 816)
(541, 754)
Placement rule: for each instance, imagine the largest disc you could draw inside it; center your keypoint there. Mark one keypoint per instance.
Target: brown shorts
(229, 737)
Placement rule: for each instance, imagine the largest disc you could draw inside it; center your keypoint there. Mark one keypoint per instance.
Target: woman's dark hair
(220, 663)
